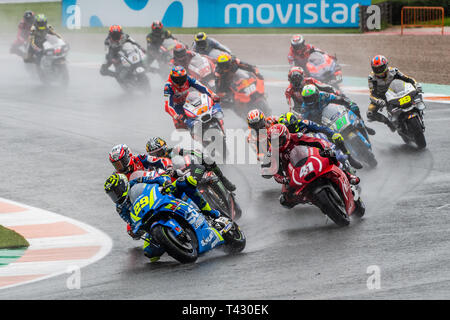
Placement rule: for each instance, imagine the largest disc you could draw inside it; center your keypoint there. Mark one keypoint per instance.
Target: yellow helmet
(224, 62)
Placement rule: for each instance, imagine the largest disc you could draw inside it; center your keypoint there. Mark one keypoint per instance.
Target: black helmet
(157, 147)
(28, 17)
(116, 187)
(200, 40)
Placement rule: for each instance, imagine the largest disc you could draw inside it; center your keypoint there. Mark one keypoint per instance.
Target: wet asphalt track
(54, 146)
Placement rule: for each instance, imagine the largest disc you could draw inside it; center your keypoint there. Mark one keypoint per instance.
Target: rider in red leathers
(286, 142)
(23, 32)
(299, 52)
(182, 56)
(124, 162)
(297, 81)
(176, 91)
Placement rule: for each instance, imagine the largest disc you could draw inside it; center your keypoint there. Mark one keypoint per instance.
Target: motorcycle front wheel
(415, 130)
(329, 202)
(182, 248)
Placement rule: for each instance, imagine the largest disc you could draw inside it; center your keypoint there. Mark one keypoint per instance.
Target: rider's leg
(374, 115)
(189, 187)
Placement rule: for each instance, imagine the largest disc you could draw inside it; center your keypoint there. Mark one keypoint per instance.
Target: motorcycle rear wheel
(332, 206)
(183, 251)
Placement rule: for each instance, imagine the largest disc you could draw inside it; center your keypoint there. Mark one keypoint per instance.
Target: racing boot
(208, 211)
(354, 163)
(369, 130)
(285, 201)
(152, 250)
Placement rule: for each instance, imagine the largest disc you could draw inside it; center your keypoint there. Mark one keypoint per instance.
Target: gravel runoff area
(425, 57)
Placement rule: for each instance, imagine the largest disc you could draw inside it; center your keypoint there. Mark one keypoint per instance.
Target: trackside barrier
(427, 17)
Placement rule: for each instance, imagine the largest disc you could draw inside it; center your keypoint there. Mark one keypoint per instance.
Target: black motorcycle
(209, 185)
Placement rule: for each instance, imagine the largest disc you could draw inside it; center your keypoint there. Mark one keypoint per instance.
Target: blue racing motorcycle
(356, 139)
(179, 228)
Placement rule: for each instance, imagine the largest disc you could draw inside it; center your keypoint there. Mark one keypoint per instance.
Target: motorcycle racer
(379, 81)
(182, 56)
(158, 154)
(258, 124)
(38, 33)
(158, 34)
(296, 124)
(23, 32)
(113, 43)
(299, 52)
(226, 66)
(286, 142)
(125, 163)
(204, 44)
(176, 91)
(118, 188)
(297, 81)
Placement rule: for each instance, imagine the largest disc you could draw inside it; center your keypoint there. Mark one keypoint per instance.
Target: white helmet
(297, 42)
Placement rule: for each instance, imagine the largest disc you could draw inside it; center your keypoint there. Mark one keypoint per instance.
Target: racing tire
(415, 128)
(216, 201)
(235, 240)
(332, 206)
(360, 209)
(184, 252)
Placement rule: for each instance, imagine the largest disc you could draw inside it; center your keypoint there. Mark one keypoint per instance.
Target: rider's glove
(381, 103)
(259, 76)
(337, 138)
(216, 98)
(168, 187)
(179, 117)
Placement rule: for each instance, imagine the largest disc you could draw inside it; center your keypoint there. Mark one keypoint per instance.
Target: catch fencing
(426, 17)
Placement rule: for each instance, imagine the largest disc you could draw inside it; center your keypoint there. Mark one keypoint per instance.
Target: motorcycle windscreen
(399, 89)
(299, 155)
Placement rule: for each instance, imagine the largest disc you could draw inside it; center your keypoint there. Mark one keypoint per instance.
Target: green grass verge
(10, 15)
(11, 239)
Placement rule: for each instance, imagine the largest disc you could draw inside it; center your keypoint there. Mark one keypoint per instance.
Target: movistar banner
(215, 13)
